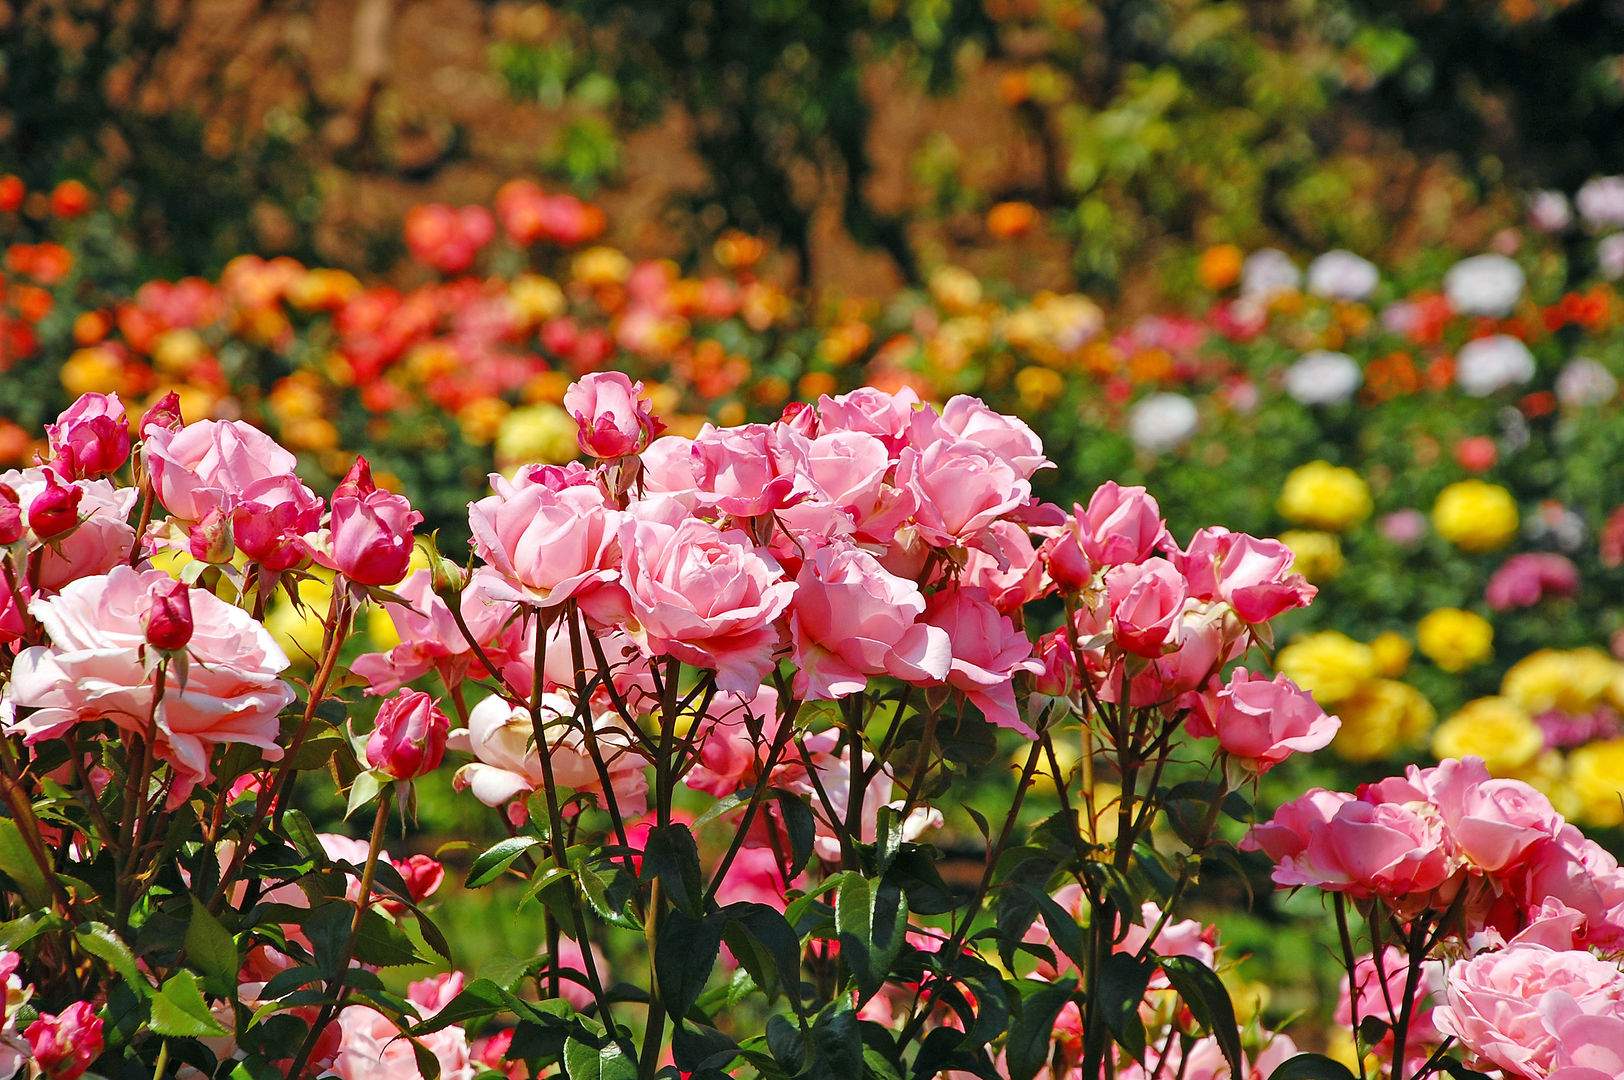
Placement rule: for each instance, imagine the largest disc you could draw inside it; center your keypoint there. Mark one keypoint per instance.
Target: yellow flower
(1495, 729)
(955, 288)
(1039, 387)
(1392, 654)
(96, 370)
(1379, 719)
(1596, 775)
(1329, 665)
(1454, 639)
(1316, 555)
(1325, 496)
(1475, 516)
(536, 298)
(601, 266)
(537, 433)
(1574, 681)
(481, 419)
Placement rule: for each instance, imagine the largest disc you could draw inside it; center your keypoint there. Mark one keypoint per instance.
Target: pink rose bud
(165, 415)
(210, 540)
(11, 515)
(64, 1045)
(92, 438)
(615, 419)
(357, 482)
(55, 510)
(372, 535)
(410, 736)
(168, 621)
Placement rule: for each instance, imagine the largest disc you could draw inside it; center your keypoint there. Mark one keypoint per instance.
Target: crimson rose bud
(409, 739)
(169, 617)
(165, 414)
(210, 540)
(56, 509)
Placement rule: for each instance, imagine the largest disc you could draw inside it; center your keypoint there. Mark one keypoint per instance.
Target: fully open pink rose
(1014, 576)
(100, 541)
(94, 669)
(1495, 823)
(853, 620)
(962, 488)
(753, 469)
(884, 415)
(214, 464)
(707, 597)
(967, 417)
(615, 419)
(549, 546)
(91, 438)
(988, 651)
(1253, 576)
(1263, 721)
(1583, 875)
(1121, 525)
(853, 497)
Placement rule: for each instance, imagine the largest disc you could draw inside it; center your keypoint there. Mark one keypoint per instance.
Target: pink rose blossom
(91, 438)
(370, 1046)
(615, 419)
(168, 621)
(65, 1044)
(12, 525)
(875, 412)
(369, 536)
(1524, 580)
(1252, 575)
(967, 417)
(988, 651)
(853, 620)
(270, 527)
(1013, 577)
(213, 464)
(549, 546)
(430, 639)
(1263, 721)
(752, 469)
(409, 738)
(1121, 525)
(1145, 601)
(962, 488)
(55, 510)
(94, 669)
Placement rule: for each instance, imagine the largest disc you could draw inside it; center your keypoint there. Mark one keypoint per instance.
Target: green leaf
(20, 866)
(837, 1045)
(1123, 979)
(212, 950)
(1209, 1001)
(303, 835)
(671, 857)
(765, 944)
(871, 919)
(21, 930)
(723, 806)
(363, 789)
(609, 1062)
(179, 1010)
(1311, 1067)
(787, 1044)
(383, 944)
(1031, 1037)
(494, 860)
(684, 955)
(99, 940)
(800, 825)
(1062, 926)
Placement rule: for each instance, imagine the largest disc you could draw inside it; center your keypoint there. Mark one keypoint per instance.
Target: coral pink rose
(370, 533)
(65, 1044)
(94, 669)
(91, 438)
(853, 620)
(213, 465)
(1263, 721)
(707, 597)
(615, 420)
(409, 738)
(1146, 601)
(988, 651)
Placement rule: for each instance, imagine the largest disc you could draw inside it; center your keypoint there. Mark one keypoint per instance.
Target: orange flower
(70, 199)
(11, 193)
(1011, 219)
(1220, 267)
(90, 327)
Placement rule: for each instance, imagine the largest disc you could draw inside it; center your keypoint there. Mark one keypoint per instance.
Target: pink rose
(430, 639)
(968, 417)
(213, 464)
(55, 510)
(1121, 525)
(64, 1045)
(370, 531)
(1013, 577)
(549, 546)
(12, 525)
(370, 1047)
(853, 620)
(751, 469)
(409, 738)
(1253, 576)
(270, 527)
(100, 541)
(1263, 721)
(988, 651)
(91, 438)
(1582, 875)
(850, 469)
(168, 621)
(615, 419)
(1145, 601)
(1524, 580)
(1526, 1009)
(1295, 839)
(962, 488)
(94, 669)
(1494, 823)
(164, 414)
(1381, 994)
(874, 412)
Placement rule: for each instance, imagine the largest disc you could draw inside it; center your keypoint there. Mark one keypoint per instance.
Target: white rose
(1492, 363)
(1162, 421)
(1484, 285)
(1342, 275)
(1585, 382)
(1323, 378)
(1268, 273)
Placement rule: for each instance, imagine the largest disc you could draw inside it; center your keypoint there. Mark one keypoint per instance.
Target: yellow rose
(1392, 654)
(1454, 639)
(1329, 665)
(1596, 776)
(1574, 681)
(1495, 729)
(537, 433)
(1325, 496)
(1316, 555)
(96, 370)
(955, 288)
(1475, 516)
(1039, 387)
(601, 266)
(1379, 719)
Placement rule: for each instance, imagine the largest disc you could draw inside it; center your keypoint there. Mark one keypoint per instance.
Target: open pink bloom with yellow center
(95, 668)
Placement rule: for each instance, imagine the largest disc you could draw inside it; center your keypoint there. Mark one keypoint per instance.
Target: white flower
(1492, 363)
(1601, 202)
(1549, 211)
(1342, 275)
(1585, 382)
(1610, 256)
(1484, 285)
(1268, 273)
(1323, 378)
(1162, 421)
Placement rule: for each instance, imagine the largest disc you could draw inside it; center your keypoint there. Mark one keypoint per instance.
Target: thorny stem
(1340, 905)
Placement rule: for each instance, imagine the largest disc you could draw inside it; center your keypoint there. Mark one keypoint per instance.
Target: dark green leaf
(494, 860)
(800, 825)
(1031, 1037)
(1311, 1067)
(787, 1044)
(1209, 1001)
(98, 939)
(1123, 979)
(671, 857)
(837, 1045)
(683, 957)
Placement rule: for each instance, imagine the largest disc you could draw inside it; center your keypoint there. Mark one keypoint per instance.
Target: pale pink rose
(1494, 823)
(850, 469)
(707, 597)
(615, 419)
(1512, 1008)
(1294, 839)
(751, 469)
(668, 469)
(1013, 577)
(94, 669)
(853, 620)
(507, 765)
(1120, 525)
(213, 465)
(968, 417)
(1582, 875)
(962, 488)
(549, 546)
(102, 539)
(91, 438)
(988, 651)
(1263, 721)
(1180, 937)
(1396, 851)
(1146, 601)
(430, 639)
(1250, 574)
(875, 412)
(370, 1048)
